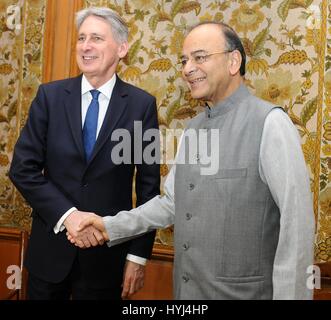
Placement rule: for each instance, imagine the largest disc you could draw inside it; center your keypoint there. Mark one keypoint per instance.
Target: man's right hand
(91, 237)
(91, 221)
(95, 221)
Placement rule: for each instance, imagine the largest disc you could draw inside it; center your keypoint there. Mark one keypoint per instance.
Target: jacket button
(185, 246)
(188, 216)
(185, 278)
(191, 186)
(85, 184)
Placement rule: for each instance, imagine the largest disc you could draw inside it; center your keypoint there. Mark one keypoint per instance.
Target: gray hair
(117, 24)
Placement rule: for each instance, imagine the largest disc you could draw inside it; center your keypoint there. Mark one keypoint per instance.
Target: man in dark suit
(63, 166)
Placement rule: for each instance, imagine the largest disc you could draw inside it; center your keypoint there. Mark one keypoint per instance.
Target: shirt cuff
(59, 226)
(136, 259)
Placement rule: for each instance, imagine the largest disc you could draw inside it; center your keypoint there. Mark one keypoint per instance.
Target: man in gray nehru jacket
(245, 228)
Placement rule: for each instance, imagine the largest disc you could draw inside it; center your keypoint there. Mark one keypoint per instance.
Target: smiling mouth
(88, 58)
(197, 80)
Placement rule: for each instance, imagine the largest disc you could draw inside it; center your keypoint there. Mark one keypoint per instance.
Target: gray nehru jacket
(230, 242)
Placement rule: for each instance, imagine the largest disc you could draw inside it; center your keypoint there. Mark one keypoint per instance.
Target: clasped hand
(85, 229)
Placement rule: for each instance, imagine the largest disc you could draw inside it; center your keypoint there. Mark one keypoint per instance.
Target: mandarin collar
(227, 104)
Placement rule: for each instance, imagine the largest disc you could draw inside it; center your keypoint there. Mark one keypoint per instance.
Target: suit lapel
(115, 111)
(73, 110)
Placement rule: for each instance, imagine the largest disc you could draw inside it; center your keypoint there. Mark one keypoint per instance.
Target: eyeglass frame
(196, 55)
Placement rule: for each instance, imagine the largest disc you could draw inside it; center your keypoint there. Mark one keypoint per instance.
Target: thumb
(85, 223)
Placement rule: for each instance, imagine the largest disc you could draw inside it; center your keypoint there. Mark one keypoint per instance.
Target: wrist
(68, 218)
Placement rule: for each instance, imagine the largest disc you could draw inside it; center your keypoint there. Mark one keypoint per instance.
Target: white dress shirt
(106, 91)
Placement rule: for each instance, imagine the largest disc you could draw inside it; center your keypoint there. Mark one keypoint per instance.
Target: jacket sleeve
(147, 180)
(28, 165)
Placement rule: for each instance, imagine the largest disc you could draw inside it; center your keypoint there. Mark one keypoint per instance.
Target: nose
(189, 68)
(86, 45)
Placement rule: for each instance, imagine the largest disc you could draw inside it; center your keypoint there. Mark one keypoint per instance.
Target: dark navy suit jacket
(50, 171)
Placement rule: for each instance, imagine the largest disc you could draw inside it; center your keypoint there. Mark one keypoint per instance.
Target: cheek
(108, 54)
(78, 47)
(215, 79)
(78, 58)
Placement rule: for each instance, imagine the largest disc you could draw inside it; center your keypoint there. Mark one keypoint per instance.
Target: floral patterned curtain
(21, 44)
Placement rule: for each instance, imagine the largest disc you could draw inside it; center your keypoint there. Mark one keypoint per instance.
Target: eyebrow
(92, 34)
(194, 52)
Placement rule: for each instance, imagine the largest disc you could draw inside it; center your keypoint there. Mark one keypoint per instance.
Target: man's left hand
(133, 279)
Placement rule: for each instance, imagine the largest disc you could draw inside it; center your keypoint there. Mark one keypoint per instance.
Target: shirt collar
(106, 89)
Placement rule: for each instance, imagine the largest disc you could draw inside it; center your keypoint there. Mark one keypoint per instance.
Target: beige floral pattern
(288, 47)
(20, 75)
(278, 88)
(246, 18)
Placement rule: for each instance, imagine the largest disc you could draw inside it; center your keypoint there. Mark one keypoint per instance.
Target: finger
(126, 288)
(92, 240)
(69, 235)
(105, 236)
(86, 242)
(137, 284)
(91, 237)
(98, 236)
(132, 288)
(140, 285)
(79, 243)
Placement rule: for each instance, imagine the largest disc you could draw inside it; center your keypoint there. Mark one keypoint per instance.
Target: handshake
(85, 229)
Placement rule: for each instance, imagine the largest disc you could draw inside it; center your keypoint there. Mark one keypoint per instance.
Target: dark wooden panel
(325, 292)
(13, 243)
(158, 281)
(60, 39)
(158, 278)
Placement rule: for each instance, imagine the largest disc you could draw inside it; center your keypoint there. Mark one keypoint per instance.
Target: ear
(235, 62)
(123, 49)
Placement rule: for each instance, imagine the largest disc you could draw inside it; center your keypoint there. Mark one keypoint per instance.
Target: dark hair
(232, 41)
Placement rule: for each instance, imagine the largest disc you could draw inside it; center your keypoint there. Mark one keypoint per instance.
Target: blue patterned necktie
(90, 124)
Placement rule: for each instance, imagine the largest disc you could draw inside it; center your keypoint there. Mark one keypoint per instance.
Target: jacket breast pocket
(240, 235)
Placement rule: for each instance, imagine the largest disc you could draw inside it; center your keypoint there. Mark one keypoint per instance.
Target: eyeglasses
(199, 58)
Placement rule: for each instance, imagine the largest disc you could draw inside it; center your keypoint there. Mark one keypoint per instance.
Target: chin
(197, 95)
(88, 70)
